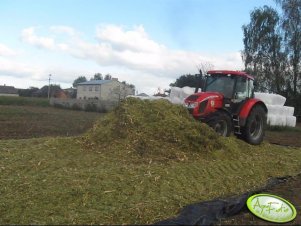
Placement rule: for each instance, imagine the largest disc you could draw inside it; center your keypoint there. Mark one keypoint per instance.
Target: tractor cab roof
(236, 73)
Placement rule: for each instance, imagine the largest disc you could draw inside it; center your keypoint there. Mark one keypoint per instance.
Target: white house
(104, 90)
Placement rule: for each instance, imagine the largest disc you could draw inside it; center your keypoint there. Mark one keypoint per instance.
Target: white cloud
(135, 40)
(17, 69)
(6, 51)
(132, 54)
(63, 29)
(28, 35)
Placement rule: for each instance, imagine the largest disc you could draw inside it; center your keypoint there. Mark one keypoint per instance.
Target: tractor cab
(227, 104)
(236, 87)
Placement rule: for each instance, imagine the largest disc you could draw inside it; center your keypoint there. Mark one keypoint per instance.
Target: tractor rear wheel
(221, 123)
(253, 132)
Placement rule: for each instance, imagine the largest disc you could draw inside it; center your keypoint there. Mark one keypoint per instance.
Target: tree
(188, 80)
(43, 92)
(291, 24)
(263, 53)
(97, 76)
(79, 80)
(108, 77)
(28, 92)
(204, 67)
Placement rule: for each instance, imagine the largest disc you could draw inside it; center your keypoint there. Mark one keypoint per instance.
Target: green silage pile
(156, 129)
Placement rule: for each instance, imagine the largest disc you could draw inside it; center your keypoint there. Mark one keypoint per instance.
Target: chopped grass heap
(155, 129)
(108, 176)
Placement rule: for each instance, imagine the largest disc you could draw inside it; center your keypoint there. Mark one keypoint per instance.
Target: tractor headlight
(191, 105)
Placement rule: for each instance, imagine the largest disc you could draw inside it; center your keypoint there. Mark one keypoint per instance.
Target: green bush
(91, 107)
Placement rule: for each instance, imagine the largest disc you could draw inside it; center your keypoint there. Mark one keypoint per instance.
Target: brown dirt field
(289, 138)
(21, 122)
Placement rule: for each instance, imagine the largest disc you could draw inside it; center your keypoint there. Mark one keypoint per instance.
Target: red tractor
(227, 104)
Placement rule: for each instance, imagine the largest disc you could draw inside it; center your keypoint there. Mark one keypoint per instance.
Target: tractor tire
(253, 131)
(221, 123)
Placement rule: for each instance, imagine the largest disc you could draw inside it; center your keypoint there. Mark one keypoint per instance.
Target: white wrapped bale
(265, 97)
(175, 92)
(278, 110)
(289, 111)
(276, 120)
(278, 115)
(271, 120)
(291, 121)
(176, 100)
(270, 98)
(149, 97)
(187, 91)
(177, 95)
(271, 109)
(281, 120)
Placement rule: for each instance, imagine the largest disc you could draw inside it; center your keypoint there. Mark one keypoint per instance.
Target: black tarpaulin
(210, 212)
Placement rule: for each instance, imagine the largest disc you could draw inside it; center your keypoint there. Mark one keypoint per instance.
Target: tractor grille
(203, 106)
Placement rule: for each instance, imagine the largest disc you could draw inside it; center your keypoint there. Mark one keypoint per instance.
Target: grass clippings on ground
(106, 179)
(54, 181)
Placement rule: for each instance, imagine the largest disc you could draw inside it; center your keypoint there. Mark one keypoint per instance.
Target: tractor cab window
(251, 89)
(220, 83)
(241, 88)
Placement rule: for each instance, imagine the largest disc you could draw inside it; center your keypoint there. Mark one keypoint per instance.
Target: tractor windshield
(220, 83)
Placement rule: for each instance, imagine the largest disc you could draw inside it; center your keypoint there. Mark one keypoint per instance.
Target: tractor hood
(202, 96)
(203, 103)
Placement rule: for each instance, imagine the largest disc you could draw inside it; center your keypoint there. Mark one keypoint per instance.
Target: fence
(86, 105)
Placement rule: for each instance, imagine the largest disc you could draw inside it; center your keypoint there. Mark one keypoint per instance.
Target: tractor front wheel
(221, 123)
(253, 132)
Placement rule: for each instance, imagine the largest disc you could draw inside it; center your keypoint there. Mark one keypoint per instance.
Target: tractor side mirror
(255, 83)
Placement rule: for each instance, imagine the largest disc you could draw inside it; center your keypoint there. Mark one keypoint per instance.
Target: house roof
(8, 90)
(95, 82)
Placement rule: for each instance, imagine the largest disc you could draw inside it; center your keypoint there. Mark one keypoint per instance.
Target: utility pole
(49, 86)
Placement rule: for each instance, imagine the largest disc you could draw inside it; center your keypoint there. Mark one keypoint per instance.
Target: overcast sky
(148, 43)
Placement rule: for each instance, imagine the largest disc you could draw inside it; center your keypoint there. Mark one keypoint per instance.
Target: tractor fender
(247, 107)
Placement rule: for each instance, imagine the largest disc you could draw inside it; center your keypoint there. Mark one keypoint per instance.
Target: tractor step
(236, 124)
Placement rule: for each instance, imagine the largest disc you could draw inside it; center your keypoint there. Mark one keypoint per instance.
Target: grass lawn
(55, 181)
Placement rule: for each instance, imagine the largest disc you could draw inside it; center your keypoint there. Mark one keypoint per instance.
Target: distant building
(104, 90)
(8, 91)
(70, 92)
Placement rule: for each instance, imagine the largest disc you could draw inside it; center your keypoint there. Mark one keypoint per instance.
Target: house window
(90, 88)
(84, 88)
(96, 88)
